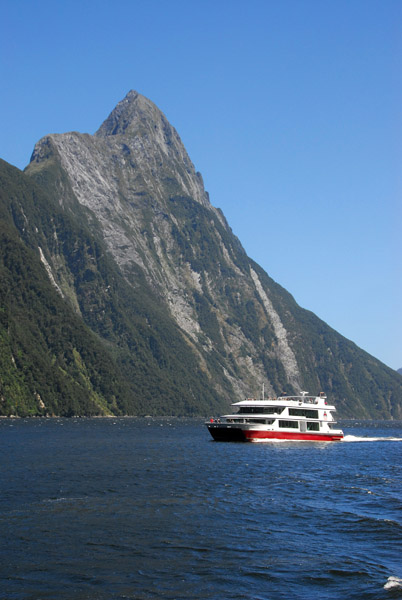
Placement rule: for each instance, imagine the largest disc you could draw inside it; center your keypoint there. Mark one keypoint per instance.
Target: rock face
(136, 189)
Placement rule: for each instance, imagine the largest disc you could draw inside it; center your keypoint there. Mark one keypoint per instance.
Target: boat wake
(392, 583)
(355, 438)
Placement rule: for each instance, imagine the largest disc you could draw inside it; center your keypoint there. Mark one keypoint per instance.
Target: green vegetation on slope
(49, 362)
(133, 361)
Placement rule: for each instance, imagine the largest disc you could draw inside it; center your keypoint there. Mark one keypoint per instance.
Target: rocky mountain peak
(131, 116)
(126, 115)
(140, 133)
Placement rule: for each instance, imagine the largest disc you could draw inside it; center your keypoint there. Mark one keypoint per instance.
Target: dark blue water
(101, 509)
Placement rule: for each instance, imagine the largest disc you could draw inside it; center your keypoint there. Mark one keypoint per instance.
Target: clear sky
(291, 110)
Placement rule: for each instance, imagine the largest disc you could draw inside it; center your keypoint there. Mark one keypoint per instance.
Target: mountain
(133, 247)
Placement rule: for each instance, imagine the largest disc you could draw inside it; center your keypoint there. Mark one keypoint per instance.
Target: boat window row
(262, 421)
(310, 425)
(261, 410)
(253, 420)
(303, 412)
(306, 425)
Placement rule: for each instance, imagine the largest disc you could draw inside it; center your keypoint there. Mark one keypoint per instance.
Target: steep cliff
(173, 255)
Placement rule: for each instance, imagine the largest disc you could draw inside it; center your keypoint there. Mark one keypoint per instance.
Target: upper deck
(302, 400)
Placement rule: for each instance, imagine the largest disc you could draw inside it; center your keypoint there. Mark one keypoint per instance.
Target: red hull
(222, 433)
(251, 435)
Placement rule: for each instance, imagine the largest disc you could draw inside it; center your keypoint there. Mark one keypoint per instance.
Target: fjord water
(99, 509)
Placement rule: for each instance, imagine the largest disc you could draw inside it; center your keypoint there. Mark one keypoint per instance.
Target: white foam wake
(393, 582)
(355, 438)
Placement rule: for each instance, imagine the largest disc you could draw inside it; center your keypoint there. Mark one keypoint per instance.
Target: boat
(300, 418)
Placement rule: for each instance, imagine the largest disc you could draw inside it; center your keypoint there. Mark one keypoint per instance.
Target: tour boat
(300, 418)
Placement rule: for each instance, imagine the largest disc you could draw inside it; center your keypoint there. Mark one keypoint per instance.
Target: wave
(355, 438)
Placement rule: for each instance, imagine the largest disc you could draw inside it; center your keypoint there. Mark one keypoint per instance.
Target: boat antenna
(263, 390)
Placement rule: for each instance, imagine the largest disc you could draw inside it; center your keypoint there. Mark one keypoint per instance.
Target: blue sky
(291, 110)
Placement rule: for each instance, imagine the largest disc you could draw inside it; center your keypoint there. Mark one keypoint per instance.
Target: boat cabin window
(262, 421)
(289, 424)
(260, 410)
(303, 412)
(313, 426)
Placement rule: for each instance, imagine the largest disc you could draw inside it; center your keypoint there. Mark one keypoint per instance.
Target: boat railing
(300, 399)
(297, 399)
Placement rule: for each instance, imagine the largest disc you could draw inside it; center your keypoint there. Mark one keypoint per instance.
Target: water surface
(128, 508)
